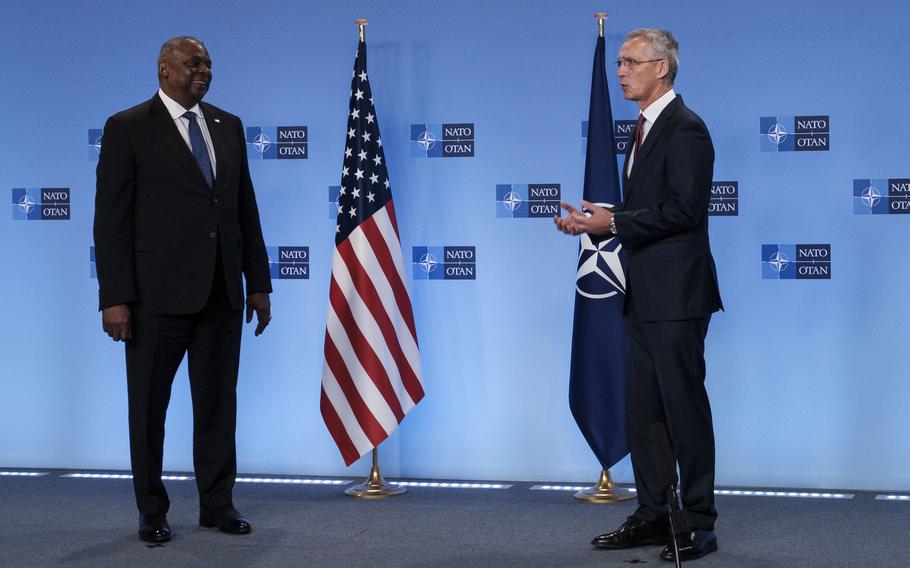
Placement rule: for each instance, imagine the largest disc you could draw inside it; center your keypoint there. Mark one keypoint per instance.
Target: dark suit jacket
(158, 224)
(663, 221)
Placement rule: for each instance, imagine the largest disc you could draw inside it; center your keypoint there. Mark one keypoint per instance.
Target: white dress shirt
(651, 113)
(176, 111)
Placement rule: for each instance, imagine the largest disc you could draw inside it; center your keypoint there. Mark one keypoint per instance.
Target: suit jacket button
(211, 235)
(214, 200)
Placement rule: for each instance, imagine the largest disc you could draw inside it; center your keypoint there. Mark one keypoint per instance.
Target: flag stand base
(603, 491)
(375, 487)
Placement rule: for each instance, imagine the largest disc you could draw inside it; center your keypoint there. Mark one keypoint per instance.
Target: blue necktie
(200, 151)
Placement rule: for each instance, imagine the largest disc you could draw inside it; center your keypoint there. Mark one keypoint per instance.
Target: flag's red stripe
(368, 423)
(391, 207)
(368, 359)
(370, 298)
(348, 451)
(381, 250)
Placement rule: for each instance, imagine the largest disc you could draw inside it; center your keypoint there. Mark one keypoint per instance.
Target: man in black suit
(176, 230)
(671, 293)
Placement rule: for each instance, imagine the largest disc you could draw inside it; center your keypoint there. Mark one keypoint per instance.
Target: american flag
(371, 376)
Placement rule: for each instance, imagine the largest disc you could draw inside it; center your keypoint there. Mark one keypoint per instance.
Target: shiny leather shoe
(693, 545)
(634, 532)
(227, 520)
(154, 528)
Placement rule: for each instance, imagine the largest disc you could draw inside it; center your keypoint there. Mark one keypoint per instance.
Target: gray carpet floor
(55, 521)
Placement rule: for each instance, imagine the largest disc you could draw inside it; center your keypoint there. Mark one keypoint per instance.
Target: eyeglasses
(631, 63)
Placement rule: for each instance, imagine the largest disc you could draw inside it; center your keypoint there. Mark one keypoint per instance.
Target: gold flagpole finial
(600, 16)
(362, 26)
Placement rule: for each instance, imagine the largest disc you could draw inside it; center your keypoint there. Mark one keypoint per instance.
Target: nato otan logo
(41, 203)
(794, 133)
(454, 140)
(444, 263)
(881, 196)
(289, 262)
(600, 273)
(796, 262)
(724, 199)
(94, 144)
(534, 200)
(277, 142)
(622, 133)
(334, 196)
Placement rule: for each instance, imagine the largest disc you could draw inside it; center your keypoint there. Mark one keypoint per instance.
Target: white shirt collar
(175, 109)
(654, 109)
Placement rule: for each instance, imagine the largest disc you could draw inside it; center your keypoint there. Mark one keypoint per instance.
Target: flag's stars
(371, 196)
(377, 160)
(374, 178)
(379, 141)
(353, 211)
(345, 172)
(386, 184)
(343, 189)
(355, 114)
(370, 118)
(362, 155)
(358, 95)
(338, 227)
(366, 136)
(351, 133)
(363, 77)
(358, 174)
(347, 152)
(356, 193)
(340, 209)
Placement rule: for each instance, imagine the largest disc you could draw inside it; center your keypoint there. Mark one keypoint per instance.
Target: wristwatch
(613, 225)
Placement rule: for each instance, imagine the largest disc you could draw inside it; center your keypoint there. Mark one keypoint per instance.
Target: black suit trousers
(211, 339)
(668, 386)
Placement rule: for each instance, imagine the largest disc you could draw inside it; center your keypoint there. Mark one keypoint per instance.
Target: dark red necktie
(639, 132)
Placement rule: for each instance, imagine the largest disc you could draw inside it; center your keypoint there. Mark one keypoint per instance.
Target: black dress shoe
(693, 545)
(154, 528)
(227, 520)
(634, 532)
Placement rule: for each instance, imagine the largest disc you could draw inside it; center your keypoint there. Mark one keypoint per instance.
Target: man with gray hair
(671, 293)
(176, 233)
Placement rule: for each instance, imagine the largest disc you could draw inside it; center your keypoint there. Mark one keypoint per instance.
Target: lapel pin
(218, 120)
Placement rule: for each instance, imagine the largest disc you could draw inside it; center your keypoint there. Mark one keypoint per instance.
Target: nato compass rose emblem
(777, 133)
(426, 141)
(600, 274)
(511, 201)
(261, 143)
(428, 263)
(778, 261)
(870, 196)
(26, 204)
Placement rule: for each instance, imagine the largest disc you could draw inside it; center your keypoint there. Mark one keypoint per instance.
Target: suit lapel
(654, 136)
(171, 137)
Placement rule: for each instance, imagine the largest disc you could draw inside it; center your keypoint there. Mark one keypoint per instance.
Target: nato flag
(597, 383)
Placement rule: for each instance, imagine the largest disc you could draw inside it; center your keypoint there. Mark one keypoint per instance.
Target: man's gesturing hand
(577, 222)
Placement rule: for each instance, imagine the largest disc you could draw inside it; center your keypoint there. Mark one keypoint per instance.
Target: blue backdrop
(806, 378)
